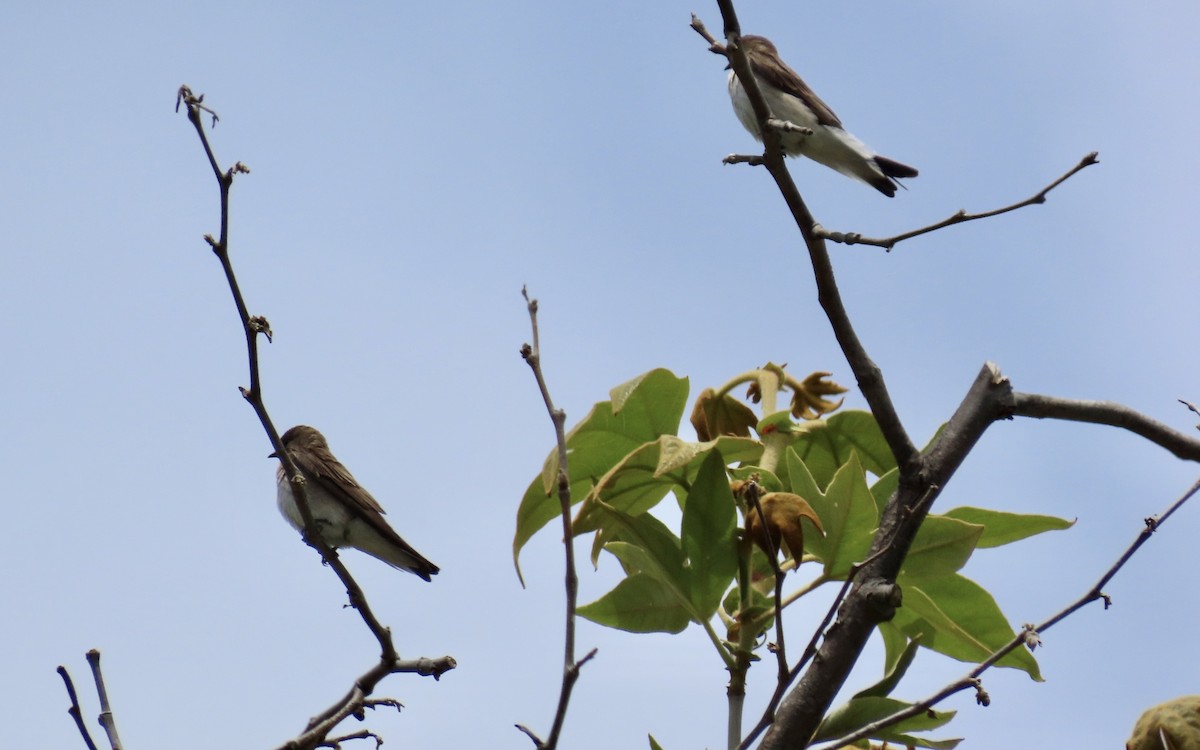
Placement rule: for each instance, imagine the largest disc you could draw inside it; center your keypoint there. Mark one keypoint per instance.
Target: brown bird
(345, 513)
(789, 98)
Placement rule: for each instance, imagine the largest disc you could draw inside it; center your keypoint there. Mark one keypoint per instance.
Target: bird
(789, 98)
(345, 513)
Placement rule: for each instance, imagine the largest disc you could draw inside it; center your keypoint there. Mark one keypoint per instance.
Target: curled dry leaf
(784, 512)
(808, 400)
(714, 416)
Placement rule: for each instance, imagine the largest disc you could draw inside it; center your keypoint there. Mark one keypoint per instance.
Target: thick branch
(1108, 413)
(874, 596)
(853, 238)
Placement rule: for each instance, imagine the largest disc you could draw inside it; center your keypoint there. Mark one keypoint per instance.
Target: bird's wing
(778, 74)
(337, 481)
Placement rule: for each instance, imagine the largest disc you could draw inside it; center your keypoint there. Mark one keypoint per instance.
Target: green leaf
(641, 410)
(895, 644)
(638, 604)
(653, 537)
(643, 477)
(942, 546)
(638, 561)
(957, 617)
(654, 743)
(859, 712)
(709, 520)
(827, 444)
(885, 686)
(1004, 528)
(847, 513)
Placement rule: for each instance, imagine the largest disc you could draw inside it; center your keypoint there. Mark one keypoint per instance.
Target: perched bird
(789, 98)
(345, 513)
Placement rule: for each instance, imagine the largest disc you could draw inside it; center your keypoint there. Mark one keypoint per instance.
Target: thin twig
(854, 238)
(253, 326)
(75, 711)
(1029, 635)
(1107, 413)
(533, 357)
(1192, 408)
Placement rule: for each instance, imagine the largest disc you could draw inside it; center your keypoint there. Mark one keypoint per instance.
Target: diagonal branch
(854, 238)
(1029, 635)
(874, 596)
(75, 711)
(320, 725)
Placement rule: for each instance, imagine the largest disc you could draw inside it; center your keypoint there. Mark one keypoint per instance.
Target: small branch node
(787, 126)
(753, 160)
(981, 695)
(193, 102)
(1031, 636)
(259, 324)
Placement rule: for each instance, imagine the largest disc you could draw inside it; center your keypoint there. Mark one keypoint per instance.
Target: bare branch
(107, 720)
(253, 325)
(533, 357)
(75, 711)
(1107, 413)
(853, 238)
(1029, 635)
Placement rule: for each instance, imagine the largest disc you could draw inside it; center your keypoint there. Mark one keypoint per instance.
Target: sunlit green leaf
(847, 512)
(1003, 528)
(638, 604)
(957, 617)
(709, 520)
(941, 547)
(643, 477)
(859, 712)
(827, 444)
(650, 534)
(639, 561)
(640, 411)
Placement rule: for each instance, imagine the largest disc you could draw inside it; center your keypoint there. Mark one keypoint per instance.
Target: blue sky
(413, 167)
